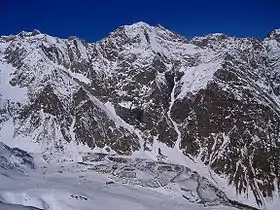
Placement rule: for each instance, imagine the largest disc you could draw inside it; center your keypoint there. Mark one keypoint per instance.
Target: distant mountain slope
(214, 99)
(14, 159)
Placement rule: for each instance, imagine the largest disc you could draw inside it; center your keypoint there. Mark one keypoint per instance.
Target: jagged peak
(22, 34)
(204, 41)
(139, 24)
(130, 30)
(161, 27)
(274, 31)
(214, 36)
(137, 28)
(36, 31)
(29, 33)
(274, 34)
(218, 35)
(145, 34)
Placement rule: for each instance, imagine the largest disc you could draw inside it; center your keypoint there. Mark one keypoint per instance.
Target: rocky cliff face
(214, 98)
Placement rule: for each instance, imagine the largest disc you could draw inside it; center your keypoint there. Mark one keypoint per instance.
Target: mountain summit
(213, 100)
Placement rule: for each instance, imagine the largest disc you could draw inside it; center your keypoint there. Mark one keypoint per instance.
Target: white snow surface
(9, 92)
(197, 77)
(68, 186)
(81, 77)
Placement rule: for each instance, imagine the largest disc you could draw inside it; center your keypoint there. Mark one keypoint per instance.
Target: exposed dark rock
(139, 83)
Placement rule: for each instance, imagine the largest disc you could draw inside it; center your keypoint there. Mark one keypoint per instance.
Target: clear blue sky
(94, 19)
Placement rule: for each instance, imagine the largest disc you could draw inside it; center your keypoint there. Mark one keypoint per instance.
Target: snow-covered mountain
(211, 103)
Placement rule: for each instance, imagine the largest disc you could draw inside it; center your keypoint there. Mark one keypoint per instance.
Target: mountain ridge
(214, 99)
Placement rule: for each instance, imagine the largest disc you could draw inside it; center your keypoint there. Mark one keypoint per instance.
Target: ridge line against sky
(94, 20)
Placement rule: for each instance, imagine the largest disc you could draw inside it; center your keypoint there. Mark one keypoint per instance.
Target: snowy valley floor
(90, 186)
